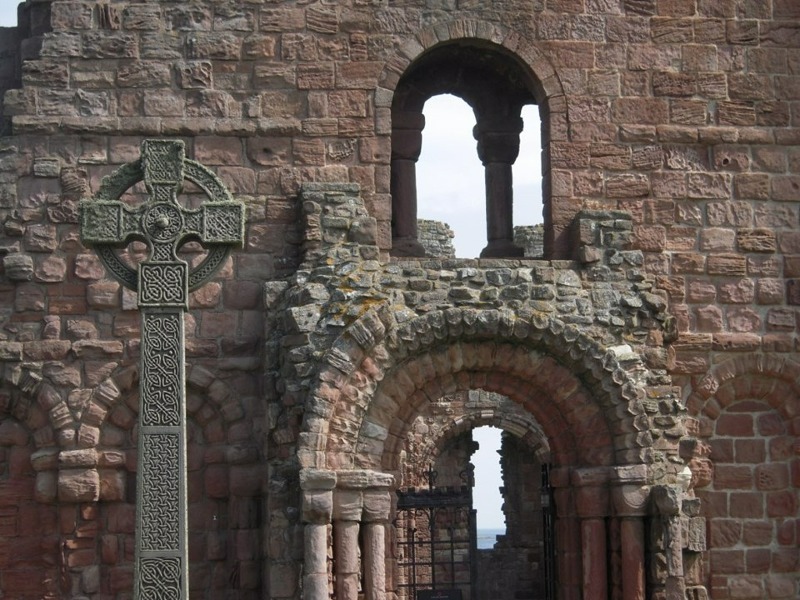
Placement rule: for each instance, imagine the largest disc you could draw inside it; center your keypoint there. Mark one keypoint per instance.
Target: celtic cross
(163, 282)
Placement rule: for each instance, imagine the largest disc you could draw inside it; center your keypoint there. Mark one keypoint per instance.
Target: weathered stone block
(78, 485)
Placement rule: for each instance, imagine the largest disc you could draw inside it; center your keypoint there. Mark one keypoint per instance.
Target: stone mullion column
(161, 521)
(317, 486)
(406, 147)
(498, 148)
(377, 506)
(375, 561)
(347, 508)
(592, 507)
(630, 496)
(346, 558)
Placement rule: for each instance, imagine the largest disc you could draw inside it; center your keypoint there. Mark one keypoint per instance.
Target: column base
(407, 247)
(502, 249)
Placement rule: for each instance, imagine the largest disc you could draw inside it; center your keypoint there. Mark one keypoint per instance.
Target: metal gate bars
(437, 541)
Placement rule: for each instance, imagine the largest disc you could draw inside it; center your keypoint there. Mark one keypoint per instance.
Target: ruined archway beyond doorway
(439, 454)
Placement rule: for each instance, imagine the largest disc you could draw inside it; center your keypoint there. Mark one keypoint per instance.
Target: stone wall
(9, 68)
(531, 239)
(659, 329)
(436, 238)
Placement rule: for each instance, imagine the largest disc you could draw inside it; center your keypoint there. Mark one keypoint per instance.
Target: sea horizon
(488, 537)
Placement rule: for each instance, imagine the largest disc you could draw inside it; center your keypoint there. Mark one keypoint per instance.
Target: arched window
(451, 198)
(496, 87)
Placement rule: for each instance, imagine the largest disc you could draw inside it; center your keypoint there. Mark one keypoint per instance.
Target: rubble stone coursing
(436, 238)
(531, 239)
(658, 330)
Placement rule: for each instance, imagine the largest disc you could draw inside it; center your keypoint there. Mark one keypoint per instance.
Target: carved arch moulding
(376, 348)
(63, 433)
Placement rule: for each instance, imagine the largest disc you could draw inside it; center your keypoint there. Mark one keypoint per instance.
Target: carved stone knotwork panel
(160, 498)
(162, 223)
(162, 362)
(163, 282)
(159, 578)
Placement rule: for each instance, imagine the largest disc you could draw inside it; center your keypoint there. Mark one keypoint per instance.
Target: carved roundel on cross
(108, 224)
(163, 222)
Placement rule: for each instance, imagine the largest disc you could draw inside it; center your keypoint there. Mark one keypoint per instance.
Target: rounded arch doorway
(440, 549)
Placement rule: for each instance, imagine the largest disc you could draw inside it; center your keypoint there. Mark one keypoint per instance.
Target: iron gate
(437, 541)
(548, 533)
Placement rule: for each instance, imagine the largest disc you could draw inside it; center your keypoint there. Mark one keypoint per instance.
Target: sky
(450, 188)
(450, 181)
(8, 13)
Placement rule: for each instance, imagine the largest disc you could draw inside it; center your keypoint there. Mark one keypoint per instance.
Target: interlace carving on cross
(163, 282)
(162, 223)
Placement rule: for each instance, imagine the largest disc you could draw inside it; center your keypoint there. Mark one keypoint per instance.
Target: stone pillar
(668, 499)
(361, 499)
(406, 146)
(347, 507)
(377, 506)
(498, 148)
(592, 506)
(317, 489)
(630, 496)
(568, 545)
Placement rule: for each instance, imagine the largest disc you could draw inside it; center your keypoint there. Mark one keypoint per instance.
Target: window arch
(497, 87)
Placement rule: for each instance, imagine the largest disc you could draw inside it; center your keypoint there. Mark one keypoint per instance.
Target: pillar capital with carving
(629, 490)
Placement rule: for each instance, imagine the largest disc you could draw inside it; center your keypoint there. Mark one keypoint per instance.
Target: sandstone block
(78, 485)
(112, 484)
(46, 490)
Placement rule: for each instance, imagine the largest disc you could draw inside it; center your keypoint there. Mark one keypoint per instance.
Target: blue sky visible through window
(450, 177)
(8, 13)
(487, 500)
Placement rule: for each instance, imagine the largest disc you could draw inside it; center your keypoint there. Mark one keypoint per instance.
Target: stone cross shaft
(163, 282)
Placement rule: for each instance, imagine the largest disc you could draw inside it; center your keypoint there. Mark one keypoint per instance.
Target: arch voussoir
(465, 348)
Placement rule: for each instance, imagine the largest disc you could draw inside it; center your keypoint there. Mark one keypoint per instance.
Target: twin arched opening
(496, 85)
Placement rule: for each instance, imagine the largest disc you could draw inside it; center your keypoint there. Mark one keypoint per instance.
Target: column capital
(317, 506)
(498, 139)
(348, 504)
(407, 129)
(408, 119)
(590, 476)
(317, 479)
(360, 479)
(591, 494)
(629, 491)
(377, 506)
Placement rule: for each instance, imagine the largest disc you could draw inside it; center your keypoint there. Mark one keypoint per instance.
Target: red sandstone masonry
(683, 112)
